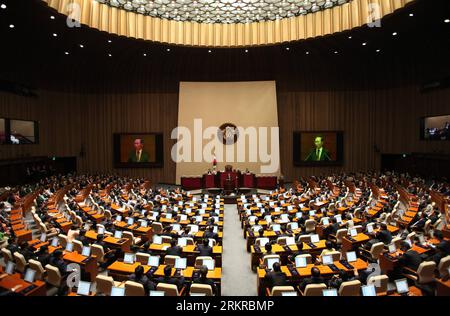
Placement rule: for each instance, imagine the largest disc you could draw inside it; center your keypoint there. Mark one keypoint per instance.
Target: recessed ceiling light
(144, 54)
(66, 53)
(11, 26)
(168, 49)
(109, 55)
(350, 37)
(287, 48)
(394, 34)
(246, 50)
(3, 6)
(378, 50)
(411, 14)
(307, 53)
(336, 52)
(447, 21)
(109, 41)
(55, 35)
(364, 44)
(209, 51)
(52, 17)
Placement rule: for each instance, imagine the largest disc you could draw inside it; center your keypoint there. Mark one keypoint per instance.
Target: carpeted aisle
(237, 277)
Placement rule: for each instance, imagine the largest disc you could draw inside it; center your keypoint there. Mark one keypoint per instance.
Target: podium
(209, 181)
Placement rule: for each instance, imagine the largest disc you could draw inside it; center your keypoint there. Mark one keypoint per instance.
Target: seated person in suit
(81, 237)
(203, 279)
(73, 233)
(110, 255)
(275, 277)
(384, 235)
(204, 249)
(169, 279)
(315, 278)
(332, 228)
(174, 249)
(319, 153)
(26, 251)
(420, 224)
(209, 233)
(410, 258)
(43, 256)
(444, 245)
(12, 245)
(336, 281)
(139, 277)
(299, 251)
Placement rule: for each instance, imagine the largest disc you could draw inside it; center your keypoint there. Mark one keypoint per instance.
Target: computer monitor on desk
(402, 286)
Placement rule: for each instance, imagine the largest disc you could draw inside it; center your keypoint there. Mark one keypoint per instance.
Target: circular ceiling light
(224, 11)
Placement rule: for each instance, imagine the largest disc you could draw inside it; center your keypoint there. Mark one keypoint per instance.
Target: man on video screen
(138, 154)
(319, 153)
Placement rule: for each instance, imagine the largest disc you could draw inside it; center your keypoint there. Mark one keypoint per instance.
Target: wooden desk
(442, 287)
(348, 245)
(123, 243)
(22, 287)
(88, 264)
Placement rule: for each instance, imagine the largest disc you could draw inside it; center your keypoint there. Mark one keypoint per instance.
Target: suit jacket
(275, 279)
(144, 157)
(174, 251)
(206, 281)
(311, 280)
(384, 236)
(410, 259)
(325, 156)
(205, 251)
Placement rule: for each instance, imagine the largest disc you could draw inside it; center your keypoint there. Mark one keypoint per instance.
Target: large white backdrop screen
(250, 105)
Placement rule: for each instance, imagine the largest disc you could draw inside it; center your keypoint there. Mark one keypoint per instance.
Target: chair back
(425, 272)
(310, 226)
(444, 264)
(380, 282)
(201, 289)
(170, 260)
(350, 288)
(168, 289)
(279, 290)
(37, 266)
(314, 289)
(7, 256)
(99, 252)
(134, 289)
(21, 263)
(104, 284)
(53, 275)
(142, 258)
(199, 261)
(376, 250)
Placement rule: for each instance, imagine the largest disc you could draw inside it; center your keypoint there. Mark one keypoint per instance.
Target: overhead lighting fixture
(394, 34)
(224, 11)
(52, 17)
(307, 53)
(81, 46)
(287, 48)
(411, 14)
(66, 53)
(209, 51)
(144, 54)
(246, 50)
(109, 55)
(350, 37)
(378, 50)
(11, 26)
(109, 41)
(3, 6)
(168, 49)
(447, 21)
(364, 44)
(55, 35)
(336, 52)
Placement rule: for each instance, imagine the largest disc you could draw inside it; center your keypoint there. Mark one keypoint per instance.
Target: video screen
(318, 148)
(23, 132)
(138, 150)
(435, 128)
(2, 131)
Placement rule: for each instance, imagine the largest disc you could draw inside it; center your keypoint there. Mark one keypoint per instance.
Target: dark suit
(171, 280)
(410, 259)
(174, 251)
(134, 158)
(275, 279)
(325, 155)
(444, 246)
(205, 251)
(384, 236)
(311, 280)
(146, 283)
(205, 281)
